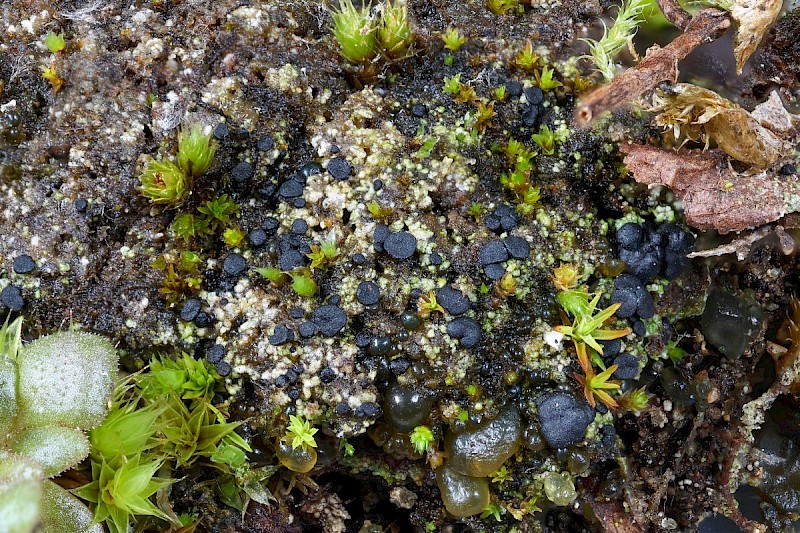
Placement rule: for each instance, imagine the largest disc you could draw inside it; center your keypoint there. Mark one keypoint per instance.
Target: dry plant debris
(713, 195)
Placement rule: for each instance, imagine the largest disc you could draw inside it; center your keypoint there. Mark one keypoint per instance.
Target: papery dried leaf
(754, 17)
(714, 197)
(773, 115)
(696, 113)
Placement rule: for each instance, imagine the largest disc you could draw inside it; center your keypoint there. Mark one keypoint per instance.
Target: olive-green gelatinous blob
(481, 451)
(300, 459)
(559, 488)
(462, 495)
(729, 322)
(406, 408)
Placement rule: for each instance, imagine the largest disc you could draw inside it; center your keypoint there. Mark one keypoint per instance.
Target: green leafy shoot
(500, 93)
(219, 211)
(120, 493)
(54, 43)
(303, 283)
(545, 79)
(300, 433)
(501, 476)
(233, 237)
(603, 52)
(356, 32)
(452, 84)
(634, 400)
(595, 385)
(453, 40)
(493, 509)
(11, 337)
(421, 438)
(527, 59)
(545, 139)
(427, 147)
(127, 431)
(587, 326)
(323, 254)
(196, 150)
(394, 29)
(348, 450)
(189, 378)
(188, 434)
(164, 183)
(274, 275)
(501, 7)
(188, 226)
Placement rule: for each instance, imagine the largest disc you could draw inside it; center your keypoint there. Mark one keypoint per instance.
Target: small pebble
(291, 259)
(377, 185)
(339, 168)
(564, 418)
(294, 393)
(270, 224)
(517, 247)
(299, 203)
(379, 235)
(329, 319)
(203, 319)
(221, 131)
(257, 238)
(368, 410)
(534, 95)
(493, 252)
(299, 226)
(452, 300)
(297, 313)
(215, 353)
(401, 245)
(12, 298)
(513, 88)
(639, 328)
(628, 367)
(494, 271)
(342, 409)
(290, 189)
(24, 264)
(630, 235)
(436, 259)
(628, 301)
(267, 189)
(265, 143)
(234, 265)
(466, 330)
(359, 259)
(327, 374)
(399, 366)
(190, 309)
(419, 110)
(611, 348)
(529, 115)
(363, 339)
(788, 169)
(281, 335)
(368, 293)
(645, 307)
(81, 205)
(223, 368)
(307, 329)
(242, 172)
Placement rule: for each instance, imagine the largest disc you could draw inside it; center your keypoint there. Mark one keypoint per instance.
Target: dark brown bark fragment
(660, 64)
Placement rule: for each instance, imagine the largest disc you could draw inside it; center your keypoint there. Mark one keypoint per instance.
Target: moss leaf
(66, 378)
(55, 448)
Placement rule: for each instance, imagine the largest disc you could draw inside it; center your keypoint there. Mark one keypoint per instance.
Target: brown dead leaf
(754, 17)
(699, 114)
(713, 195)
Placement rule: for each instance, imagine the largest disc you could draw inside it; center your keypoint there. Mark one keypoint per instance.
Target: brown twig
(674, 13)
(660, 64)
